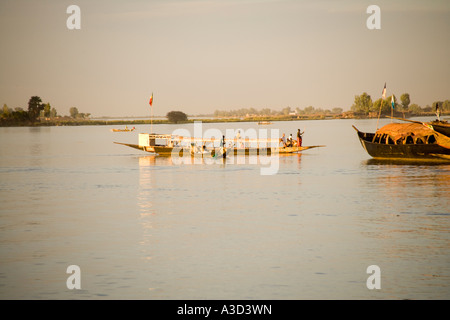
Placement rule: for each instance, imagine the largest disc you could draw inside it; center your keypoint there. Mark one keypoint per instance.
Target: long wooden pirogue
(167, 145)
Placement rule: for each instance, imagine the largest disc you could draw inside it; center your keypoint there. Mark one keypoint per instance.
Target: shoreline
(97, 122)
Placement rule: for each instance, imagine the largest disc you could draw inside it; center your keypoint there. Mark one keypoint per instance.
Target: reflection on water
(406, 163)
(268, 164)
(409, 224)
(149, 227)
(145, 203)
(404, 187)
(145, 185)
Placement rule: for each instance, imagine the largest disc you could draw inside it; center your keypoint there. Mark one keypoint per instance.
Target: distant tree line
(266, 112)
(78, 115)
(364, 105)
(35, 112)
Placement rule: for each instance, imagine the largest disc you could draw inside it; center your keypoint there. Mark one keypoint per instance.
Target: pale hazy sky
(198, 56)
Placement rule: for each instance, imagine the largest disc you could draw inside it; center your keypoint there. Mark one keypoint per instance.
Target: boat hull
(180, 151)
(402, 151)
(443, 128)
(122, 130)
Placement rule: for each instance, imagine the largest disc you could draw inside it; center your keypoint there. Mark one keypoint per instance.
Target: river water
(145, 227)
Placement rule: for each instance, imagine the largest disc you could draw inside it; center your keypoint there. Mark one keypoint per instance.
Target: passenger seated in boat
(289, 141)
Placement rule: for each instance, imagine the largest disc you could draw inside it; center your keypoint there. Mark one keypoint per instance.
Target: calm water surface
(144, 227)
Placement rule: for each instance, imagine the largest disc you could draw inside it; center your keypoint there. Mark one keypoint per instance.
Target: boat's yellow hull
(180, 151)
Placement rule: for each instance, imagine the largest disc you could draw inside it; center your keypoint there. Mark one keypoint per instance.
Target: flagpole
(379, 113)
(383, 95)
(151, 117)
(392, 107)
(392, 112)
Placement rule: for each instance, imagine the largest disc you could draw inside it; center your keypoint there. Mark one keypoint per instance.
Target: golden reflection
(405, 184)
(290, 157)
(144, 199)
(396, 223)
(151, 170)
(261, 160)
(147, 161)
(145, 185)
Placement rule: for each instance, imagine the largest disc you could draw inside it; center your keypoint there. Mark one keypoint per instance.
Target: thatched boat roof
(401, 130)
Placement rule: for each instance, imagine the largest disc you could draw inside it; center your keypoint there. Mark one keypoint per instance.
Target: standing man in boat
(283, 140)
(299, 138)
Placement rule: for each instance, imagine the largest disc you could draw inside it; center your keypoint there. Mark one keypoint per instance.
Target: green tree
(427, 108)
(382, 105)
(265, 111)
(47, 109)
(19, 115)
(309, 110)
(363, 104)
(446, 105)
(439, 103)
(53, 113)
(405, 100)
(6, 112)
(388, 101)
(176, 116)
(320, 111)
(286, 111)
(35, 107)
(414, 109)
(252, 111)
(73, 112)
(83, 115)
